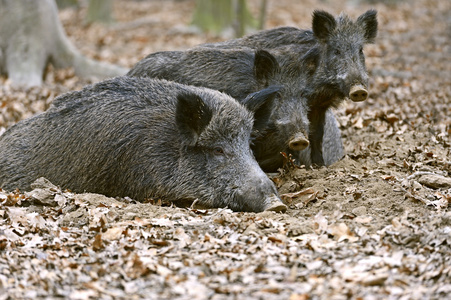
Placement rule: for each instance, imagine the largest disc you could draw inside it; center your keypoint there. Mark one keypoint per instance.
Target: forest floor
(375, 225)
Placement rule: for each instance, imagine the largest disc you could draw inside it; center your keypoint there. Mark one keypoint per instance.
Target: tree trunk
(213, 15)
(31, 36)
(66, 3)
(262, 16)
(100, 11)
(240, 20)
(218, 15)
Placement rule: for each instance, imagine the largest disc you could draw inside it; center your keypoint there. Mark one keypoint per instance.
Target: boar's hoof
(358, 93)
(276, 205)
(298, 143)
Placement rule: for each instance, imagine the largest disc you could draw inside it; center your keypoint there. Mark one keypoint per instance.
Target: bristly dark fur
(329, 61)
(143, 138)
(240, 73)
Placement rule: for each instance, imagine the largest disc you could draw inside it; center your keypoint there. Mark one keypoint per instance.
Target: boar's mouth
(268, 203)
(271, 162)
(273, 203)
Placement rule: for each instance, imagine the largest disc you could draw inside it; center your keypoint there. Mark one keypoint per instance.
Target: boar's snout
(358, 93)
(298, 142)
(258, 194)
(273, 203)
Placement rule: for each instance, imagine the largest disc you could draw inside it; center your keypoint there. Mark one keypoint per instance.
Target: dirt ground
(375, 225)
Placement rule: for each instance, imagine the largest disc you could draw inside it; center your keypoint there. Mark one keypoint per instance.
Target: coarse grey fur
(292, 67)
(332, 144)
(268, 39)
(144, 138)
(238, 73)
(333, 68)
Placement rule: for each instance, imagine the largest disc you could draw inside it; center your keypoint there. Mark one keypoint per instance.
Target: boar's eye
(337, 52)
(218, 151)
(361, 50)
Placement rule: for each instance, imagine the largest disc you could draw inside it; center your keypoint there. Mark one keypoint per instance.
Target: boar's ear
(265, 65)
(323, 24)
(261, 103)
(368, 21)
(192, 115)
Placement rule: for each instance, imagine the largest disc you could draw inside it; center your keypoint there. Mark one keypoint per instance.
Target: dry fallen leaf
(342, 232)
(290, 197)
(97, 244)
(392, 118)
(113, 233)
(435, 181)
(320, 223)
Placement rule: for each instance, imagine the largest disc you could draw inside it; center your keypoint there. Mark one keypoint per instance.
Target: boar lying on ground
(239, 72)
(145, 138)
(331, 62)
(318, 68)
